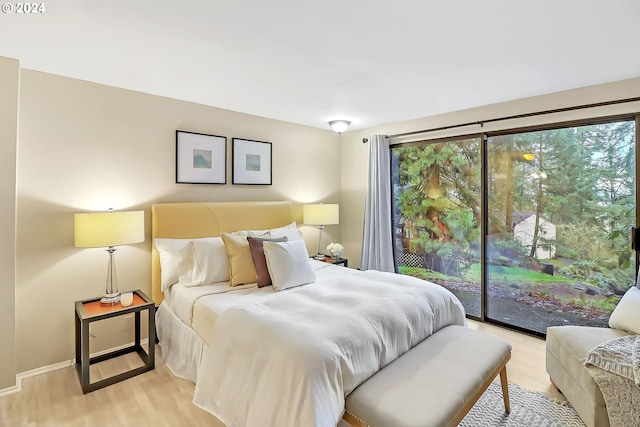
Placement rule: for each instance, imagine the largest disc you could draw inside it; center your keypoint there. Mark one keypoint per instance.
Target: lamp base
(320, 257)
(110, 299)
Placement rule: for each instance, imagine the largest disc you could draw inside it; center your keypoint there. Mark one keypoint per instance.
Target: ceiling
(368, 61)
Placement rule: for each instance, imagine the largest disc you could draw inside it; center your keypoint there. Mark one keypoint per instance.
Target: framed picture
(251, 162)
(200, 158)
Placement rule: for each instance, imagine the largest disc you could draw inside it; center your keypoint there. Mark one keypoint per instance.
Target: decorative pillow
(169, 251)
(259, 260)
(202, 263)
(626, 315)
(241, 268)
(288, 264)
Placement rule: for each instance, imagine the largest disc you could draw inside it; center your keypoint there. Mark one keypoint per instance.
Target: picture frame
(200, 158)
(251, 161)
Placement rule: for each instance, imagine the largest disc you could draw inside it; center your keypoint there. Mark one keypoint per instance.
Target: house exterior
(524, 231)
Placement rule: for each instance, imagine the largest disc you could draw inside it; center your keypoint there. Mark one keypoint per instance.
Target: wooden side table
(339, 261)
(90, 310)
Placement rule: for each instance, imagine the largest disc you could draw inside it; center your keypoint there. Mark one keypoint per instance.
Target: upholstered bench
(565, 348)
(434, 384)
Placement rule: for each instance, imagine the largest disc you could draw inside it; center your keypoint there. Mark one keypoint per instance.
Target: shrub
(579, 270)
(508, 253)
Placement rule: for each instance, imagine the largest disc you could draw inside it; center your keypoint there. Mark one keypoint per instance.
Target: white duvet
(291, 359)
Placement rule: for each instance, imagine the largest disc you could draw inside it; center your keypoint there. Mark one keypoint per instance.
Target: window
(560, 203)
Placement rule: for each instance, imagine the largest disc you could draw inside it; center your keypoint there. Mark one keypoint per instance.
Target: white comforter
(292, 359)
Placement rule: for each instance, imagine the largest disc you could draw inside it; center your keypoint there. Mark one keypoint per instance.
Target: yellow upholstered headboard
(209, 219)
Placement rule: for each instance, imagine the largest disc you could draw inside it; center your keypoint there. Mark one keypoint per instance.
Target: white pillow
(252, 233)
(278, 230)
(203, 262)
(290, 231)
(169, 251)
(626, 315)
(292, 234)
(288, 264)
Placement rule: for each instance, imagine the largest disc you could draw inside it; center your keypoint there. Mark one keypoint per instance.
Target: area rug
(528, 409)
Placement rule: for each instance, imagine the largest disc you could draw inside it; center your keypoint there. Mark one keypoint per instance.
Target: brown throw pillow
(259, 260)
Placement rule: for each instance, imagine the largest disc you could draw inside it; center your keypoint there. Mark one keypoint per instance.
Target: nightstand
(90, 310)
(339, 261)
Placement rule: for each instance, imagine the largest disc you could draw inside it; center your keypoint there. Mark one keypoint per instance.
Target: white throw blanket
(615, 366)
(291, 360)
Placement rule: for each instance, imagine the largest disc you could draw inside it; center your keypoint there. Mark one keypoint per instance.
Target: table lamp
(109, 229)
(321, 214)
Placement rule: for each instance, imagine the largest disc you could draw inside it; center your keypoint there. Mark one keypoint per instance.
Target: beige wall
(9, 88)
(355, 154)
(84, 147)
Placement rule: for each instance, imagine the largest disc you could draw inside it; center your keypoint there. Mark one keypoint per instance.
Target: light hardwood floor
(527, 365)
(157, 398)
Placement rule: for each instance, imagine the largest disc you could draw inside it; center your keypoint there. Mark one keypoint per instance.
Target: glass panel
(560, 207)
(436, 214)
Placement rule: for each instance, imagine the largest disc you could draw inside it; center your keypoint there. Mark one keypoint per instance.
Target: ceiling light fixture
(339, 125)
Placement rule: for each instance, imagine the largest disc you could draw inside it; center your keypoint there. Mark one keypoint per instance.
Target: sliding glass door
(559, 206)
(561, 203)
(436, 215)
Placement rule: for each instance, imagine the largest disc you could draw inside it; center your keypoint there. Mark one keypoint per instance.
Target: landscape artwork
(253, 162)
(202, 159)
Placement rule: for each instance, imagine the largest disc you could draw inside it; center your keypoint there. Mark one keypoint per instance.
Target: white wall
(85, 147)
(355, 154)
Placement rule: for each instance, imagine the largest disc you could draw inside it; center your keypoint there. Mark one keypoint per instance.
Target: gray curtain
(377, 249)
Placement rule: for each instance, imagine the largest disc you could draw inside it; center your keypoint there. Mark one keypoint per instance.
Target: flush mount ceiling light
(339, 125)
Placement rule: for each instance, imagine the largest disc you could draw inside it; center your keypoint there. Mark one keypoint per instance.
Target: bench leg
(353, 421)
(553, 383)
(505, 389)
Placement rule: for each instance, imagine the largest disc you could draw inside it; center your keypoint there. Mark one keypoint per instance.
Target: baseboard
(32, 373)
(13, 389)
(60, 365)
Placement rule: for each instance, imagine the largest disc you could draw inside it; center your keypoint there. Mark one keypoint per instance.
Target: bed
(279, 355)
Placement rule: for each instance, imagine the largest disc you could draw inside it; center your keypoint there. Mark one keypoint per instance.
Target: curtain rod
(517, 116)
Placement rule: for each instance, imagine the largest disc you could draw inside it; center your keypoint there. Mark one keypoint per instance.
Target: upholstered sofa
(565, 348)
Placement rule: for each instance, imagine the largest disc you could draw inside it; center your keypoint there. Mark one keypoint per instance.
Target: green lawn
(512, 275)
(538, 284)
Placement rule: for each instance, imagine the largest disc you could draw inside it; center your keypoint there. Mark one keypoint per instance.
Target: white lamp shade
(94, 230)
(321, 214)
(339, 125)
